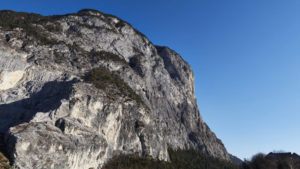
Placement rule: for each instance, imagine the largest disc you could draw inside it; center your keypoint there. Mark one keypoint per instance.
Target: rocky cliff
(78, 89)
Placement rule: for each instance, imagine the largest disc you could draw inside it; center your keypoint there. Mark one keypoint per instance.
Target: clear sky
(245, 55)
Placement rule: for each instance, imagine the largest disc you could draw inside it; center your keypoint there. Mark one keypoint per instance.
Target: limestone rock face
(53, 116)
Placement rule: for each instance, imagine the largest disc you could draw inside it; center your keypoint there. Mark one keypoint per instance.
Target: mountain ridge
(80, 88)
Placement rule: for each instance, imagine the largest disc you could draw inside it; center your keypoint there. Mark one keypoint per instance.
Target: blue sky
(245, 56)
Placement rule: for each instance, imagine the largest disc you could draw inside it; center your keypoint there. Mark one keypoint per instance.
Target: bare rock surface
(57, 112)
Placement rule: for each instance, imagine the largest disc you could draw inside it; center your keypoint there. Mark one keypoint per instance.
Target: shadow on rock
(46, 100)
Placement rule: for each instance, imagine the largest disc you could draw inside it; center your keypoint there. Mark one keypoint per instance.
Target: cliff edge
(78, 89)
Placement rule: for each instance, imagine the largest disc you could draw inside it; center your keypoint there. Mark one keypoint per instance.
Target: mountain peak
(77, 90)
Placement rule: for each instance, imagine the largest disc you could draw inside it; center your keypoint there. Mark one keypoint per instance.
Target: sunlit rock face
(53, 116)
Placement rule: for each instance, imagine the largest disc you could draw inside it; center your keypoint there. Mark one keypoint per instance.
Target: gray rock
(54, 118)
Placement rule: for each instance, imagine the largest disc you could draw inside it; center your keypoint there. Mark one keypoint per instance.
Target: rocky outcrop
(78, 89)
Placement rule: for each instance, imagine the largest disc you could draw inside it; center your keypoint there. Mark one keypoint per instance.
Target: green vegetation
(89, 10)
(38, 27)
(180, 159)
(194, 159)
(103, 79)
(95, 56)
(91, 56)
(277, 161)
(259, 162)
(11, 19)
(31, 24)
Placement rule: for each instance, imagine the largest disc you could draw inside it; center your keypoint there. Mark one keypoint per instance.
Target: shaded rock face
(53, 117)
